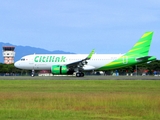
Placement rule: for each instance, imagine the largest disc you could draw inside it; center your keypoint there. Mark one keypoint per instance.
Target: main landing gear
(79, 74)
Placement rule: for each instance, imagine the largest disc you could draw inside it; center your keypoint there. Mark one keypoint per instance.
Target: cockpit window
(22, 59)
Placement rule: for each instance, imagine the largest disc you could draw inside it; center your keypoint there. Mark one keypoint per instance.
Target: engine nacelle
(60, 70)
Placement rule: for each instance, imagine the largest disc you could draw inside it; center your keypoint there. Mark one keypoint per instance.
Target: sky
(108, 26)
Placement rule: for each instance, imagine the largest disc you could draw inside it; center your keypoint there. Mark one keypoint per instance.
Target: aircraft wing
(81, 63)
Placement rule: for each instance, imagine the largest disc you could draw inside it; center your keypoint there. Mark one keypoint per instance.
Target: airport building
(8, 54)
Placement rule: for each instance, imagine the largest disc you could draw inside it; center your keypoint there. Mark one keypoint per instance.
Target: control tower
(8, 54)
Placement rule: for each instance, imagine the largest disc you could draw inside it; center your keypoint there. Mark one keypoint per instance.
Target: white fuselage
(45, 61)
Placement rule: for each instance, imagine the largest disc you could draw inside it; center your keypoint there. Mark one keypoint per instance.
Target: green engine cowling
(59, 70)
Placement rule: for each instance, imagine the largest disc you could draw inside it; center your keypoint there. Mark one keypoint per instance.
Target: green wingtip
(90, 55)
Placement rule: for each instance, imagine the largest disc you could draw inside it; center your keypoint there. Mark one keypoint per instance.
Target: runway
(88, 77)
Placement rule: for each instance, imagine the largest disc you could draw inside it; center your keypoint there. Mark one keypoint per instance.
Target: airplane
(68, 64)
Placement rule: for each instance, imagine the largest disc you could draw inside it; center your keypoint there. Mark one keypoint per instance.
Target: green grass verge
(79, 99)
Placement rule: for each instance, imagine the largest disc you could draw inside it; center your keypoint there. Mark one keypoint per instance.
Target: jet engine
(61, 70)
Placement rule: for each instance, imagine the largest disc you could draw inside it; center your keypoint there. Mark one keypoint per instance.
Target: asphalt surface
(92, 77)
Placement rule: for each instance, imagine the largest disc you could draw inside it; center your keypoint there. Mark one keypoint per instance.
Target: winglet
(90, 55)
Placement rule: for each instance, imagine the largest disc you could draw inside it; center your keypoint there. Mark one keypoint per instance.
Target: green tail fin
(142, 47)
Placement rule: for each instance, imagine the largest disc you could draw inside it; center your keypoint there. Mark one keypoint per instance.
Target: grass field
(79, 100)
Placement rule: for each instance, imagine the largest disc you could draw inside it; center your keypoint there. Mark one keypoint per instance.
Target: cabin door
(125, 59)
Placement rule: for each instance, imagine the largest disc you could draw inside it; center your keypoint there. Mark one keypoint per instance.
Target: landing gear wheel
(32, 73)
(79, 74)
(82, 74)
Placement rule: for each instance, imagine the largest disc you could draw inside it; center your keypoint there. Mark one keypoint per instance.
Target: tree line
(10, 69)
(149, 68)
(144, 68)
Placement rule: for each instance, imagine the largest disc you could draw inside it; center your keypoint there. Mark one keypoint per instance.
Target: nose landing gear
(33, 73)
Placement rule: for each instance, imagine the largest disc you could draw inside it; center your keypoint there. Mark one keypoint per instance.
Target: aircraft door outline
(125, 59)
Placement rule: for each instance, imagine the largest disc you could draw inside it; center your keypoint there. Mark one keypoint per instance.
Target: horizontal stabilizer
(146, 58)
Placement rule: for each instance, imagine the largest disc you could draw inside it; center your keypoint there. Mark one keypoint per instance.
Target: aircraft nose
(17, 64)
